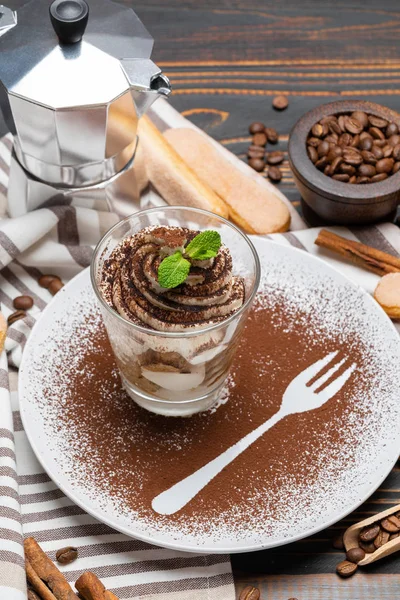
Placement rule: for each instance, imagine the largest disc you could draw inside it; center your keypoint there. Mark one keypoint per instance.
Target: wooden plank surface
(226, 59)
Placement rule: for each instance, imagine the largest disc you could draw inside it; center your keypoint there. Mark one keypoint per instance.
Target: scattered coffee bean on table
(355, 148)
(257, 164)
(272, 135)
(274, 173)
(259, 139)
(280, 102)
(16, 316)
(250, 593)
(45, 280)
(23, 302)
(346, 568)
(66, 555)
(275, 158)
(355, 555)
(256, 127)
(337, 542)
(55, 286)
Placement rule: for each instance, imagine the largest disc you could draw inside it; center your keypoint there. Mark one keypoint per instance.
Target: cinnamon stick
(43, 575)
(362, 255)
(91, 588)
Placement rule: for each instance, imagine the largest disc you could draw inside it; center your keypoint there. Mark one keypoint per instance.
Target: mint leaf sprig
(174, 269)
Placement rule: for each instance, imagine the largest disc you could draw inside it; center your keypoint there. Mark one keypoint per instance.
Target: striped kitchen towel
(61, 239)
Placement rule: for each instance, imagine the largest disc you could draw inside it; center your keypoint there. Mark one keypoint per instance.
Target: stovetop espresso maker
(74, 82)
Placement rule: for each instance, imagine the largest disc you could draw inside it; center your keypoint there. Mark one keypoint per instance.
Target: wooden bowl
(325, 200)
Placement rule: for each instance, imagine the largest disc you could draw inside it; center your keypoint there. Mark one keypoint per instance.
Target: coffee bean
(364, 135)
(334, 152)
(337, 542)
(16, 316)
(379, 143)
(387, 151)
(369, 533)
(366, 143)
(257, 164)
(354, 555)
(323, 148)
(352, 125)
(381, 539)
(385, 165)
(393, 536)
(256, 127)
(396, 152)
(377, 152)
(345, 140)
(66, 555)
(280, 102)
(45, 280)
(355, 141)
(394, 140)
(272, 135)
(317, 130)
(56, 285)
(332, 137)
(368, 548)
(23, 302)
(391, 129)
(336, 164)
(369, 157)
(341, 177)
(363, 180)
(275, 158)
(328, 170)
(321, 162)
(313, 154)
(259, 139)
(346, 568)
(352, 157)
(250, 593)
(391, 524)
(361, 117)
(275, 174)
(376, 133)
(334, 127)
(256, 153)
(341, 121)
(377, 121)
(379, 177)
(312, 141)
(396, 167)
(348, 169)
(366, 170)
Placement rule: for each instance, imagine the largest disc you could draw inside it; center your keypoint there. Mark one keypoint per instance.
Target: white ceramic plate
(299, 275)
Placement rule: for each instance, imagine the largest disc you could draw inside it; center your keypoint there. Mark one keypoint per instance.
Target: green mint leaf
(204, 246)
(173, 270)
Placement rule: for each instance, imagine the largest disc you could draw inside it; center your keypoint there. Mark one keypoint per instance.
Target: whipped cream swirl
(130, 285)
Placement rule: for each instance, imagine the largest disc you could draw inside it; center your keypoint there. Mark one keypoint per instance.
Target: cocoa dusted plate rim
(315, 180)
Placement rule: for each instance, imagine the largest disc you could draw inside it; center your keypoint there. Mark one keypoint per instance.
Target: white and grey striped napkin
(60, 240)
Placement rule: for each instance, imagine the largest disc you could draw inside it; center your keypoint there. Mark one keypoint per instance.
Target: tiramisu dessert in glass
(174, 286)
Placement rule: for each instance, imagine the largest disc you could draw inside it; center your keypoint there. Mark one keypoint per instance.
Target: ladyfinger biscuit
(252, 206)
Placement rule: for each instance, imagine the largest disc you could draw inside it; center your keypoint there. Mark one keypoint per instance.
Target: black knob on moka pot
(69, 19)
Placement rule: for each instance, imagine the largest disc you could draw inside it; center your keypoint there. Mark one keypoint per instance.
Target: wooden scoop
(350, 538)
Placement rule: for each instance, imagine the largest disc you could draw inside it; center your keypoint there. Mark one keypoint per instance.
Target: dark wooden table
(226, 60)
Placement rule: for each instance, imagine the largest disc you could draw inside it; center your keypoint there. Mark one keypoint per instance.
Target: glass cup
(176, 374)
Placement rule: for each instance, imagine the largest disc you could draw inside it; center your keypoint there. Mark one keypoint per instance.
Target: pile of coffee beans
(257, 155)
(355, 148)
(370, 538)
